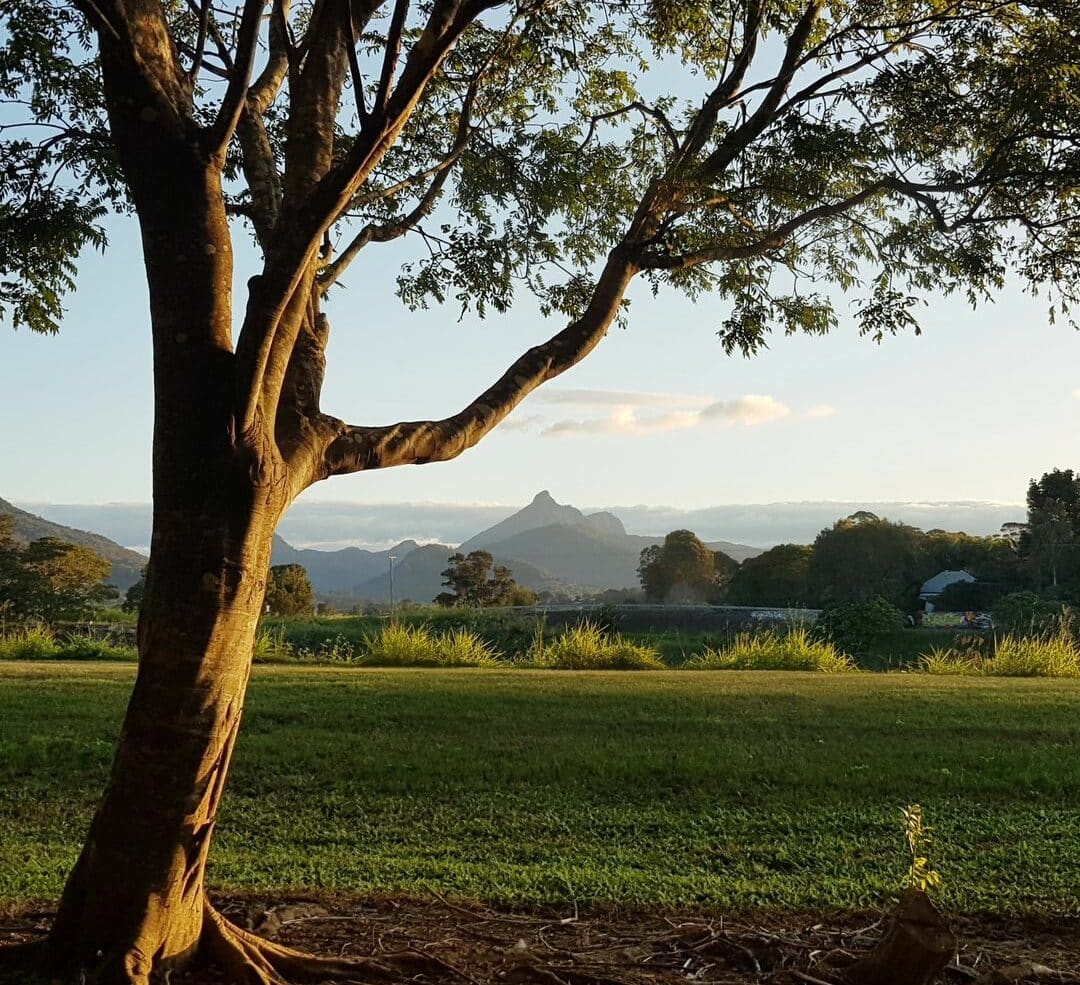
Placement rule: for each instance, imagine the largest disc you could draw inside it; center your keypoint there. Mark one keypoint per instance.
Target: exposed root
(252, 960)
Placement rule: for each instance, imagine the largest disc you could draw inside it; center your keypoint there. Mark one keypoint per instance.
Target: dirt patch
(452, 944)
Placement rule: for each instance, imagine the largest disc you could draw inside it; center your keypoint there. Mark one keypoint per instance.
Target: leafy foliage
(918, 837)
(683, 569)
(478, 581)
(864, 557)
(778, 577)
(289, 591)
(853, 626)
(50, 579)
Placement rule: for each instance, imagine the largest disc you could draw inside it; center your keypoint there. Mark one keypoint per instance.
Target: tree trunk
(135, 904)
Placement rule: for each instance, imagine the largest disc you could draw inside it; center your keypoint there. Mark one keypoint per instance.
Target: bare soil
(443, 943)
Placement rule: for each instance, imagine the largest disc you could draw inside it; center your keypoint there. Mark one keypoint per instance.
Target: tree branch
(354, 449)
(200, 42)
(265, 88)
(390, 57)
(261, 345)
(728, 87)
(765, 244)
(642, 108)
(738, 139)
(386, 232)
(232, 105)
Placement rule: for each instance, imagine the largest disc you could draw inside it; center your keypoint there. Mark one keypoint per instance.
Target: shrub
(853, 626)
(1025, 612)
(41, 643)
(587, 647)
(28, 643)
(795, 649)
(949, 661)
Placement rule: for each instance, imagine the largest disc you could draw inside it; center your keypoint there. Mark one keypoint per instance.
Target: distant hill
(549, 546)
(593, 550)
(340, 572)
(126, 565)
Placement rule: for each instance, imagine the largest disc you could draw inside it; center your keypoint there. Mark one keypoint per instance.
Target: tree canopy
(50, 579)
(887, 148)
(684, 569)
(779, 576)
(289, 591)
(476, 580)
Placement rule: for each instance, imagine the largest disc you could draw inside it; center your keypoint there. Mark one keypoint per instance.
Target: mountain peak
(543, 511)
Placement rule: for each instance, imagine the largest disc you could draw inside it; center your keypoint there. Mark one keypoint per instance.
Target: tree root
(252, 960)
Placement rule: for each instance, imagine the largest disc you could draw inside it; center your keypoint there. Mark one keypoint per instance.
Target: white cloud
(751, 409)
(1076, 393)
(819, 412)
(748, 410)
(518, 422)
(618, 398)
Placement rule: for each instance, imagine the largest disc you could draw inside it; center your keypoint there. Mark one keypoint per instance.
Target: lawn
(720, 789)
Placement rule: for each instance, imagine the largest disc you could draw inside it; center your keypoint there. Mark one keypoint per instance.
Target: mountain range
(549, 546)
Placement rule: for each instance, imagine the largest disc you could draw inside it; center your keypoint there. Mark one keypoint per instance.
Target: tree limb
(232, 105)
(385, 232)
(261, 345)
(742, 135)
(765, 244)
(390, 57)
(354, 449)
(728, 87)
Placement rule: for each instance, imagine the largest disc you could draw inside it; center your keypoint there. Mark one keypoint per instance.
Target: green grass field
(719, 789)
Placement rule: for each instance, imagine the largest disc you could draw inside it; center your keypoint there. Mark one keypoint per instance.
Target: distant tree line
(863, 557)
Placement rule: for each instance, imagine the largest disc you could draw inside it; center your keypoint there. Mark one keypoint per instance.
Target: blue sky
(657, 415)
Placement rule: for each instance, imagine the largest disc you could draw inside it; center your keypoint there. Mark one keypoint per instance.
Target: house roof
(942, 580)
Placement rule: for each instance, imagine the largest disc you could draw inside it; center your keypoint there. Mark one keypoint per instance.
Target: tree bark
(135, 902)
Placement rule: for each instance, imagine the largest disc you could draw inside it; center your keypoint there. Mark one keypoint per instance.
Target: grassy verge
(716, 789)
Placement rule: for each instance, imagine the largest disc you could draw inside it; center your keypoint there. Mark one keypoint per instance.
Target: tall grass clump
(271, 647)
(587, 647)
(31, 642)
(1053, 655)
(795, 649)
(402, 645)
(463, 648)
(81, 646)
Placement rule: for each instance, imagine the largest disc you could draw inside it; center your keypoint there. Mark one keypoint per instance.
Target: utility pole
(393, 558)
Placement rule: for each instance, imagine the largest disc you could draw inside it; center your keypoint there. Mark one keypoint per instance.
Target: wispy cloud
(619, 398)
(749, 410)
(819, 412)
(520, 422)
